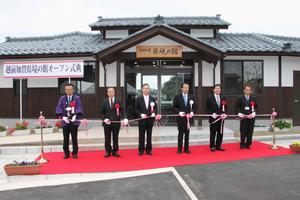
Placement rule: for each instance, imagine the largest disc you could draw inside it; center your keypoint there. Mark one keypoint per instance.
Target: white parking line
(184, 185)
(21, 182)
(62, 179)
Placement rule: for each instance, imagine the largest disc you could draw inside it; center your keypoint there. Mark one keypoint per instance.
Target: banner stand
(21, 100)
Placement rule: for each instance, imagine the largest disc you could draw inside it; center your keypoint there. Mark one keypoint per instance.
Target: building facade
(163, 51)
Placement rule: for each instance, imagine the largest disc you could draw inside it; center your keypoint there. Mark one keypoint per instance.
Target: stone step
(278, 137)
(125, 137)
(100, 146)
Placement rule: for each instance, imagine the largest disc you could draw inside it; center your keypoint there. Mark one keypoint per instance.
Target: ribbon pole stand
(42, 160)
(274, 146)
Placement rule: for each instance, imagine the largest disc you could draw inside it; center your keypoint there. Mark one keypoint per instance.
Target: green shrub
(281, 124)
(2, 128)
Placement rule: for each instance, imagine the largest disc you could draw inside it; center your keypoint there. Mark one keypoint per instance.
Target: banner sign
(39, 69)
(152, 51)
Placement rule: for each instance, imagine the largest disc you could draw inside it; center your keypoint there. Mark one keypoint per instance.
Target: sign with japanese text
(158, 51)
(39, 69)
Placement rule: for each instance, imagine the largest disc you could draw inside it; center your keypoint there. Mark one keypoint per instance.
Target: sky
(19, 18)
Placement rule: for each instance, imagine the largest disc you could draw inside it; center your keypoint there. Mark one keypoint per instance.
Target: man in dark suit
(216, 106)
(146, 108)
(112, 109)
(245, 108)
(184, 105)
(69, 109)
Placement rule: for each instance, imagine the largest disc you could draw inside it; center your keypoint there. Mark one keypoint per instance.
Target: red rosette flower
(223, 105)
(224, 102)
(72, 104)
(117, 107)
(252, 103)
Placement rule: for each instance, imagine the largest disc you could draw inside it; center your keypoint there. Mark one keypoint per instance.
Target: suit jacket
(140, 107)
(243, 106)
(212, 106)
(63, 104)
(179, 106)
(108, 112)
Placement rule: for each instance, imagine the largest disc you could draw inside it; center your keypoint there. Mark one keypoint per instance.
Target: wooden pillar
(199, 94)
(222, 82)
(118, 75)
(122, 85)
(279, 109)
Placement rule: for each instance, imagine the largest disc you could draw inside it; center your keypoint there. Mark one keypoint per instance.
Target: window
(17, 87)
(239, 72)
(253, 71)
(85, 85)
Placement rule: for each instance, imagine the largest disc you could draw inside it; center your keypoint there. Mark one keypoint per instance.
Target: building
(162, 51)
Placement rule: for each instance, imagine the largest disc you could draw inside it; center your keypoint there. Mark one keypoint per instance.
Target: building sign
(158, 51)
(38, 69)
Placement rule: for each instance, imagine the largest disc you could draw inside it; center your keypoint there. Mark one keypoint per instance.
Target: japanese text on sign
(36, 69)
(158, 51)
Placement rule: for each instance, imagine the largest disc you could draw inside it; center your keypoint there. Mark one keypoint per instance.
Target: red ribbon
(223, 105)
(252, 103)
(117, 107)
(188, 116)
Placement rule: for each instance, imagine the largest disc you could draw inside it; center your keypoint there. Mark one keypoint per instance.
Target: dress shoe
(220, 149)
(212, 149)
(141, 153)
(187, 151)
(66, 156)
(75, 156)
(179, 152)
(248, 147)
(242, 147)
(149, 153)
(106, 155)
(116, 155)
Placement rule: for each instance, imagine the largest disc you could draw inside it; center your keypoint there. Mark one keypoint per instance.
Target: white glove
(192, 114)
(252, 115)
(107, 121)
(240, 115)
(73, 118)
(66, 119)
(152, 114)
(214, 115)
(125, 121)
(144, 116)
(181, 114)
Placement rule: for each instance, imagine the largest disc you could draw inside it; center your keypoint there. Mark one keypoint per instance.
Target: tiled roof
(80, 43)
(68, 43)
(252, 42)
(172, 21)
(295, 41)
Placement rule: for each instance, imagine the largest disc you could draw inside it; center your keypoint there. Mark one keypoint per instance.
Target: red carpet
(162, 157)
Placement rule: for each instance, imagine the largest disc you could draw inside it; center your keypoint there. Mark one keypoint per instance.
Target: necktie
(111, 103)
(218, 100)
(185, 100)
